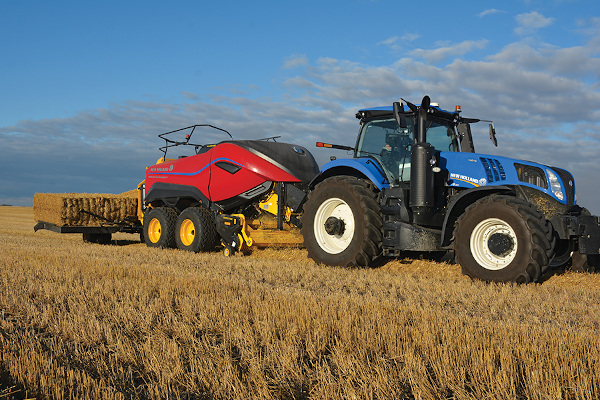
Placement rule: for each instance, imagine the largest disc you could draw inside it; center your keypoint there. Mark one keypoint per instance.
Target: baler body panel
(232, 168)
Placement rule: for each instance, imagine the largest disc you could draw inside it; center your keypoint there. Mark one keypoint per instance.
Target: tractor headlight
(555, 185)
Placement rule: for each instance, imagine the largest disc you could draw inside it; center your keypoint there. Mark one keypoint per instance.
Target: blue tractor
(415, 183)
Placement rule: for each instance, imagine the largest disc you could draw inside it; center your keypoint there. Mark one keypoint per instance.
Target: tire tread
(540, 236)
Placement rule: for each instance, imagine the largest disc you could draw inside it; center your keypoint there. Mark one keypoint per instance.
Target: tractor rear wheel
(159, 227)
(502, 238)
(195, 230)
(341, 224)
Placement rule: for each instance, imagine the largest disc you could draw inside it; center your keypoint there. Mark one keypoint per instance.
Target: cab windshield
(384, 140)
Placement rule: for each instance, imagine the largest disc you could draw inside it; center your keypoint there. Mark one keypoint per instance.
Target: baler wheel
(159, 227)
(503, 238)
(341, 224)
(228, 251)
(195, 230)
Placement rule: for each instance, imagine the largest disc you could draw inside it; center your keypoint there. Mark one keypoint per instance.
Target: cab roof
(368, 113)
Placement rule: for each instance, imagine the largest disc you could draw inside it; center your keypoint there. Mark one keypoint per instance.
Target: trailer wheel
(195, 230)
(159, 227)
(502, 238)
(341, 224)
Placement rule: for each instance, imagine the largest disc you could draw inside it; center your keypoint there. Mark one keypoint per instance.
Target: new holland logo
(468, 179)
(165, 169)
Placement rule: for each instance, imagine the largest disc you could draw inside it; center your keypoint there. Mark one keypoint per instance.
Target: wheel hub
(500, 244)
(493, 244)
(334, 226)
(187, 232)
(154, 230)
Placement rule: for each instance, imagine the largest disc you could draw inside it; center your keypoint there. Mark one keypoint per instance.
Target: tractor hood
(470, 170)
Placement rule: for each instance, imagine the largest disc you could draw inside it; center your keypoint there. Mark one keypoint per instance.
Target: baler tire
(159, 227)
(519, 236)
(195, 230)
(358, 239)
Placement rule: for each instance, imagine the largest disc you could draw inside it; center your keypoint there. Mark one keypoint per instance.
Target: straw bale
(65, 209)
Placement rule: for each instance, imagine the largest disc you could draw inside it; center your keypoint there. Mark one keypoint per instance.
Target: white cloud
(530, 22)
(591, 28)
(454, 51)
(389, 41)
(295, 61)
(489, 11)
(396, 43)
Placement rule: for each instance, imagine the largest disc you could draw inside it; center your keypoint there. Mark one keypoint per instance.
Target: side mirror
(493, 135)
(399, 115)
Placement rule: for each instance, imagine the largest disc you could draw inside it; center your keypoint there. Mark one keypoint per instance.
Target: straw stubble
(135, 322)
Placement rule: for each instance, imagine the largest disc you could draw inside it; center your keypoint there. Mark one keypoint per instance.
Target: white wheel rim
(338, 208)
(479, 244)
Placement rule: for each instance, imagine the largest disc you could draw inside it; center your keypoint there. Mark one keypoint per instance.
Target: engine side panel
(470, 170)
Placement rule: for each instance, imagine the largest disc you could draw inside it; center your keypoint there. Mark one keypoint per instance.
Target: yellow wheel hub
(154, 230)
(187, 232)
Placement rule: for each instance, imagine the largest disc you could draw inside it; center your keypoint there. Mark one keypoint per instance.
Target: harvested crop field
(123, 321)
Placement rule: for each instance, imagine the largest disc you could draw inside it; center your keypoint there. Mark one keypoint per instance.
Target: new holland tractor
(414, 184)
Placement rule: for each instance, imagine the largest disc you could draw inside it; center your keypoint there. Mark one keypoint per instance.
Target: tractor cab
(382, 138)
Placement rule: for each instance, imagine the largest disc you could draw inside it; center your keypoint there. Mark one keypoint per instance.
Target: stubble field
(123, 321)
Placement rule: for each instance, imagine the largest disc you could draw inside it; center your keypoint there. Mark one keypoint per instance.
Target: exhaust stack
(421, 173)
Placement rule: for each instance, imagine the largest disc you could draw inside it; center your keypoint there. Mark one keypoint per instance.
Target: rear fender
(367, 168)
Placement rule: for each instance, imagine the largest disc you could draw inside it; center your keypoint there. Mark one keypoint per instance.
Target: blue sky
(87, 86)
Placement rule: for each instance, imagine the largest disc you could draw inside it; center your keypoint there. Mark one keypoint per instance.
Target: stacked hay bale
(84, 209)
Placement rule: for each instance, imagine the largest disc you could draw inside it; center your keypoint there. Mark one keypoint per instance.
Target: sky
(86, 86)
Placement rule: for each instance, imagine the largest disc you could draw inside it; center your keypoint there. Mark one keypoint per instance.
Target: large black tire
(503, 239)
(159, 227)
(348, 207)
(195, 230)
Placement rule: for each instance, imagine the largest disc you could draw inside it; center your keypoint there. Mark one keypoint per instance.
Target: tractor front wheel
(196, 230)
(341, 224)
(502, 238)
(159, 227)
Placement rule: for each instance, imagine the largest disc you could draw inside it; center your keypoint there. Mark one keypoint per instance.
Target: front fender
(459, 204)
(367, 168)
